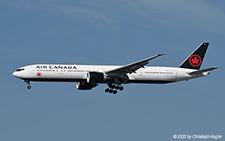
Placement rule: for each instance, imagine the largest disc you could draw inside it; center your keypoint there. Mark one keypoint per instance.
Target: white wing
(131, 68)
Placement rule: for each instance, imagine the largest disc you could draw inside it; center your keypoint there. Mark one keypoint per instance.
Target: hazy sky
(114, 32)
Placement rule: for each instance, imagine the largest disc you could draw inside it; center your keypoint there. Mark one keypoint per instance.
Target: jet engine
(85, 86)
(96, 77)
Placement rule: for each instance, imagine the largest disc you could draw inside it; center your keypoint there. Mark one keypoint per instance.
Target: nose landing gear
(28, 84)
(113, 88)
(28, 87)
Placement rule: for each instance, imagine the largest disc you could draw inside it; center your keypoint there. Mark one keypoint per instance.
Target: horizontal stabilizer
(203, 70)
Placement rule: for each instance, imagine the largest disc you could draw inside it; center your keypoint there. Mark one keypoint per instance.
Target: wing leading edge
(131, 68)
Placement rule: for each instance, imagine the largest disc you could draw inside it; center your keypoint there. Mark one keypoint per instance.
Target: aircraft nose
(15, 74)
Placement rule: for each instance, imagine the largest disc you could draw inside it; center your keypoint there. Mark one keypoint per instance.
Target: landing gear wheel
(110, 91)
(114, 92)
(28, 87)
(107, 90)
(113, 88)
(117, 87)
(121, 88)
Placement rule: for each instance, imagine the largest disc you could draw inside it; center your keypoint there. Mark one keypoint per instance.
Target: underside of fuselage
(85, 80)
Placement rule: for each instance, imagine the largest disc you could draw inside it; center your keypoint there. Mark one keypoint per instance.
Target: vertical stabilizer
(195, 60)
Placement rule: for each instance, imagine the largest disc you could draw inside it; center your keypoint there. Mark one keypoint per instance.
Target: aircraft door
(32, 71)
(141, 73)
(175, 74)
(61, 72)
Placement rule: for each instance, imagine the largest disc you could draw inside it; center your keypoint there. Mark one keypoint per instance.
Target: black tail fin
(195, 60)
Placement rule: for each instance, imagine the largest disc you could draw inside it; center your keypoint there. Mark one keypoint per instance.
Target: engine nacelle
(95, 77)
(85, 86)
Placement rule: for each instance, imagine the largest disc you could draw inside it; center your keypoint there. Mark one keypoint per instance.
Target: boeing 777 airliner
(89, 76)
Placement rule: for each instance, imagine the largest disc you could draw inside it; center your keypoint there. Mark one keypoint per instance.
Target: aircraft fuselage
(78, 73)
(89, 76)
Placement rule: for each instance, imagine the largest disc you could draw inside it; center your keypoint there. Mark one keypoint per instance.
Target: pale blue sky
(110, 32)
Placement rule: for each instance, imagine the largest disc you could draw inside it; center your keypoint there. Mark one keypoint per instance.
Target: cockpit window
(19, 69)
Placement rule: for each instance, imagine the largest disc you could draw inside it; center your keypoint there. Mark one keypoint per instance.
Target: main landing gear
(28, 84)
(113, 88)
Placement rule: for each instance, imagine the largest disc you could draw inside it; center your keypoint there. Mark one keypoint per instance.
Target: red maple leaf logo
(38, 74)
(195, 60)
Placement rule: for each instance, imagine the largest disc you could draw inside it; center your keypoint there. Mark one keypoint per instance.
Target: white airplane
(89, 76)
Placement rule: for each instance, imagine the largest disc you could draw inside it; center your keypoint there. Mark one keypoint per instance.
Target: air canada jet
(89, 76)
